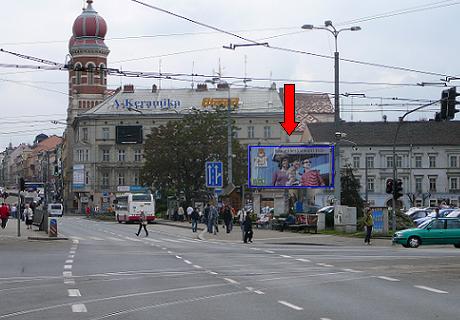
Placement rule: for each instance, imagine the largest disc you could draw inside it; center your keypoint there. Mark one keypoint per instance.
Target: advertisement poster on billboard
(290, 167)
(78, 176)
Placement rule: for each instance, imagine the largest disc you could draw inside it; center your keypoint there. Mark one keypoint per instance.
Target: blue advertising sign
(214, 174)
(291, 166)
(377, 216)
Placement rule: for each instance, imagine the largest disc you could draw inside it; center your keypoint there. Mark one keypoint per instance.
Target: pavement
(275, 236)
(10, 233)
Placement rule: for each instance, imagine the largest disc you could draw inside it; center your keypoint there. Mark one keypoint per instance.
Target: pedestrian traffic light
(389, 188)
(398, 189)
(441, 116)
(451, 102)
(22, 184)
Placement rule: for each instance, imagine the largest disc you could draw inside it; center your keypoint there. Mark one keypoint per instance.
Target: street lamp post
(328, 26)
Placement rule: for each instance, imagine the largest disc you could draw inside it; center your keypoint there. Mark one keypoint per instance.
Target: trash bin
(52, 227)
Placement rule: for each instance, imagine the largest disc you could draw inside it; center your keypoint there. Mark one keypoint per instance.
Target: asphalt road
(106, 272)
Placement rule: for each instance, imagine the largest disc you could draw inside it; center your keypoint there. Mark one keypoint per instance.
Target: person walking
(189, 213)
(14, 211)
(241, 218)
(195, 216)
(369, 223)
(142, 223)
(213, 220)
(180, 213)
(247, 225)
(4, 214)
(28, 216)
(228, 217)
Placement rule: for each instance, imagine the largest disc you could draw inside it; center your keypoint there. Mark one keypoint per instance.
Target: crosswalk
(127, 239)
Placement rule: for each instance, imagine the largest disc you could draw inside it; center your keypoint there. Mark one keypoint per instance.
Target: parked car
(55, 210)
(454, 214)
(435, 231)
(417, 214)
(442, 213)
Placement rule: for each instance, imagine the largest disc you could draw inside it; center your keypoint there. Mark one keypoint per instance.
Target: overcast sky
(140, 39)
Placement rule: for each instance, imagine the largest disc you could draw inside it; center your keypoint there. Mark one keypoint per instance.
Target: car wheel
(457, 245)
(413, 242)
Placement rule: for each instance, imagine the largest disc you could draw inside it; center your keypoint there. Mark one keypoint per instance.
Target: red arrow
(289, 124)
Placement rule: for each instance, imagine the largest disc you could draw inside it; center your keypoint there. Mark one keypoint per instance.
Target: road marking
(325, 319)
(133, 239)
(74, 248)
(325, 265)
(290, 305)
(79, 308)
(69, 261)
(74, 292)
(72, 251)
(70, 282)
(153, 240)
(163, 248)
(388, 278)
(212, 272)
(67, 274)
(250, 288)
(259, 292)
(351, 270)
(198, 267)
(170, 240)
(71, 256)
(67, 266)
(230, 280)
(178, 257)
(115, 239)
(187, 262)
(75, 241)
(269, 251)
(285, 256)
(431, 289)
(303, 260)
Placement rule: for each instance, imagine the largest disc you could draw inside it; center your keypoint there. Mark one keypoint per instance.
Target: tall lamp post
(229, 125)
(328, 26)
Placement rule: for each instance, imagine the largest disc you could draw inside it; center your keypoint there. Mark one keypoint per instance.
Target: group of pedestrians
(27, 214)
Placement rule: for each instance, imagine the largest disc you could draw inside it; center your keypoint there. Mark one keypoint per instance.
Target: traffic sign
(214, 172)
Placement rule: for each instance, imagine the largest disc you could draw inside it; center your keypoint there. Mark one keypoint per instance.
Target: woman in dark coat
(247, 227)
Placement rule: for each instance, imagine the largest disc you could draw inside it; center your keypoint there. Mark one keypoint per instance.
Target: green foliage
(175, 154)
(350, 191)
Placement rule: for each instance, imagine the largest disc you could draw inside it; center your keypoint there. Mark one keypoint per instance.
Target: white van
(55, 210)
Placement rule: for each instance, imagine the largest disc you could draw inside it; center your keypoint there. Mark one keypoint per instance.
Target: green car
(435, 231)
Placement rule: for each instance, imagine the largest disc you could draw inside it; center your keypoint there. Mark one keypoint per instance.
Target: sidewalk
(275, 236)
(10, 233)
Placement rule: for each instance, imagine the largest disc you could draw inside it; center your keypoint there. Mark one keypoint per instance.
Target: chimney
(128, 88)
(202, 87)
(154, 88)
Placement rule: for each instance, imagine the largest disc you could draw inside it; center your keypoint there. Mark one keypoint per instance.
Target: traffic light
(451, 102)
(389, 188)
(398, 189)
(441, 116)
(22, 184)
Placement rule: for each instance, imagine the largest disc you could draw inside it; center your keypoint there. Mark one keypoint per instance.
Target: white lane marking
(259, 292)
(290, 305)
(69, 282)
(431, 289)
(250, 288)
(198, 267)
(69, 261)
(74, 248)
(163, 248)
(324, 319)
(67, 266)
(133, 239)
(79, 308)
(187, 262)
(188, 240)
(325, 265)
(178, 257)
(74, 292)
(96, 238)
(231, 280)
(351, 270)
(388, 278)
(153, 240)
(75, 241)
(71, 256)
(212, 272)
(285, 256)
(269, 251)
(171, 240)
(67, 274)
(303, 260)
(72, 251)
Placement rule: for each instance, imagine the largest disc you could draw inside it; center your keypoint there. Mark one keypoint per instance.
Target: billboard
(291, 166)
(129, 134)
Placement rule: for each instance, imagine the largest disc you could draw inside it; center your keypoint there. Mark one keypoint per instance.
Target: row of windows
(120, 178)
(453, 161)
(122, 155)
(432, 187)
(91, 71)
(87, 104)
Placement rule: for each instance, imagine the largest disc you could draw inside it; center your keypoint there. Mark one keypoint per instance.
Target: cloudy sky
(420, 35)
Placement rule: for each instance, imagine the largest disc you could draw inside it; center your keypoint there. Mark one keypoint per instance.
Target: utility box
(321, 224)
(52, 227)
(345, 219)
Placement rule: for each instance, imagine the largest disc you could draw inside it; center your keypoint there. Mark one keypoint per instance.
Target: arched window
(78, 67)
(102, 74)
(90, 71)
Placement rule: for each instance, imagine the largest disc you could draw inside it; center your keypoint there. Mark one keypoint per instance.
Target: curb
(47, 238)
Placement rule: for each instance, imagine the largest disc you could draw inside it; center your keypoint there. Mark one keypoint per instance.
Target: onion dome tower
(88, 64)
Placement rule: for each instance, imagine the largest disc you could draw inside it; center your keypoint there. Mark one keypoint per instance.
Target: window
(398, 161)
(453, 183)
(105, 179)
(371, 184)
(102, 74)
(370, 162)
(87, 177)
(136, 178)
(267, 132)
(121, 179)
(432, 161)
(418, 161)
(251, 132)
(453, 224)
(80, 156)
(105, 155)
(90, 73)
(389, 161)
(453, 162)
(86, 155)
(121, 155)
(437, 224)
(85, 134)
(418, 184)
(78, 73)
(105, 133)
(356, 162)
(137, 155)
(432, 184)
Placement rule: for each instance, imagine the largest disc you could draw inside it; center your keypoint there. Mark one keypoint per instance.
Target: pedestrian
(241, 218)
(248, 233)
(189, 213)
(88, 211)
(180, 213)
(436, 210)
(29, 216)
(195, 216)
(369, 223)
(206, 214)
(142, 224)
(14, 211)
(176, 214)
(228, 217)
(4, 214)
(213, 218)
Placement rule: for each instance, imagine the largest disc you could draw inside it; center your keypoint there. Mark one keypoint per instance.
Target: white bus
(128, 207)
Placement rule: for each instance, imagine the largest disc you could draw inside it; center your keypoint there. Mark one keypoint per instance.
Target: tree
(176, 154)
(350, 191)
